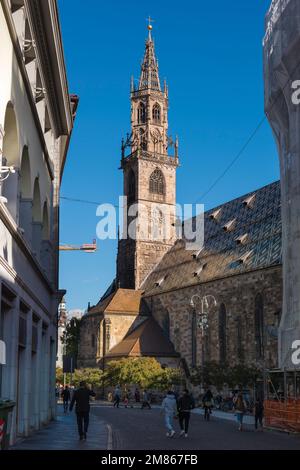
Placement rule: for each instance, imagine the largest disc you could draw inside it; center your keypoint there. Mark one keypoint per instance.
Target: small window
(141, 113)
(156, 114)
(157, 182)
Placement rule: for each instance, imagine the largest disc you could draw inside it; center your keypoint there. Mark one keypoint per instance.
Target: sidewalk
(62, 434)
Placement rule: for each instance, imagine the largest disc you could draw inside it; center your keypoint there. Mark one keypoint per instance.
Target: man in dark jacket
(66, 397)
(184, 406)
(82, 398)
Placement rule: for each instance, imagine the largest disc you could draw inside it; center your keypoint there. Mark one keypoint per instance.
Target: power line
(250, 138)
(84, 201)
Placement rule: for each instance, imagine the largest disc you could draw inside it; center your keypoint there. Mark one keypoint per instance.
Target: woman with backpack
(240, 409)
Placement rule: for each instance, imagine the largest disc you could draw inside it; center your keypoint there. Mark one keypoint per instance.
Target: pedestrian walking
(137, 395)
(240, 409)
(81, 397)
(126, 398)
(117, 396)
(207, 402)
(146, 400)
(259, 413)
(185, 404)
(66, 395)
(169, 407)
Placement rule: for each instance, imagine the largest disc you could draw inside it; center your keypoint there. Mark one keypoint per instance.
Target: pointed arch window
(222, 333)
(131, 187)
(141, 113)
(156, 113)
(157, 182)
(259, 326)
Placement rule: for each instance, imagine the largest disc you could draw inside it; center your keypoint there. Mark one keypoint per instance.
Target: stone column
(281, 70)
(10, 370)
(26, 391)
(37, 229)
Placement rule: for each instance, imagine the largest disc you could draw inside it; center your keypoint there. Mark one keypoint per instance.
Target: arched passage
(25, 208)
(10, 157)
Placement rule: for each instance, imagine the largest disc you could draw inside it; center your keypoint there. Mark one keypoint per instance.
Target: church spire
(149, 78)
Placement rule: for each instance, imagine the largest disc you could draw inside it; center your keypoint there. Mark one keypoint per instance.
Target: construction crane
(86, 247)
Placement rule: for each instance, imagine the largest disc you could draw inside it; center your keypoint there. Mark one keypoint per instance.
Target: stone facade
(238, 294)
(36, 120)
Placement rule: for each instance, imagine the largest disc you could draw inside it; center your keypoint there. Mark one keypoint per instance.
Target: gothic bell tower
(149, 172)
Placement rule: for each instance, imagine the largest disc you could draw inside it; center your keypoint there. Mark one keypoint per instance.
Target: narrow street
(134, 429)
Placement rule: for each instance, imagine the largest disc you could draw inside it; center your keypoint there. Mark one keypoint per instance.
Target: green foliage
(146, 372)
(218, 375)
(71, 336)
(91, 376)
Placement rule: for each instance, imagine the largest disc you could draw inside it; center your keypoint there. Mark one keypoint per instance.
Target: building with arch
(36, 120)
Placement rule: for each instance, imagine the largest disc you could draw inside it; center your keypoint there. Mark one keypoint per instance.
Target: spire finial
(150, 27)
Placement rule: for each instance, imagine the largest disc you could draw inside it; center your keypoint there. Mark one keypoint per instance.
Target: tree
(71, 337)
(146, 372)
(91, 376)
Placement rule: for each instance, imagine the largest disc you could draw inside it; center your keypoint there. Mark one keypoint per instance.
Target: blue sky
(211, 55)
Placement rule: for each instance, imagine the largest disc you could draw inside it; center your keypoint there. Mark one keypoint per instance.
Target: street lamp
(205, 306)
(5, 171)
(202, 321)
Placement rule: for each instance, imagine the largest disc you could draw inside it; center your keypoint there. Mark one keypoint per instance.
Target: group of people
(173, 406)
(117, 397)
(240, 408)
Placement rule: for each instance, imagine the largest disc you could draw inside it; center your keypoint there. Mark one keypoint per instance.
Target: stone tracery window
(157, 182)
(259, 326)
(156, 114)
(141, 113)
(222, 333)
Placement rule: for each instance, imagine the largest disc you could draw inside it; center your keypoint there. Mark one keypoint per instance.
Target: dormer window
(197, 253)
(200, 269)
(242, 239)
(160, 281)
(243, 259)
(216, 214)
(249, 201)
(229, 226)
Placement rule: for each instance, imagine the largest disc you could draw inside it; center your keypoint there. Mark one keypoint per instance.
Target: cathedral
(152, 307)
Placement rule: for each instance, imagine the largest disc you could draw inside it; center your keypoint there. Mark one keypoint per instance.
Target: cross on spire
(150, 21)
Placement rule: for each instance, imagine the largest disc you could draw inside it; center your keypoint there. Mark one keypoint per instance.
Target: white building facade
(36, 120)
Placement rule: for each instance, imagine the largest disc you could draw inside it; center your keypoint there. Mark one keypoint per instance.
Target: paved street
(132, 429)
(62, 435)
(144, 429)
